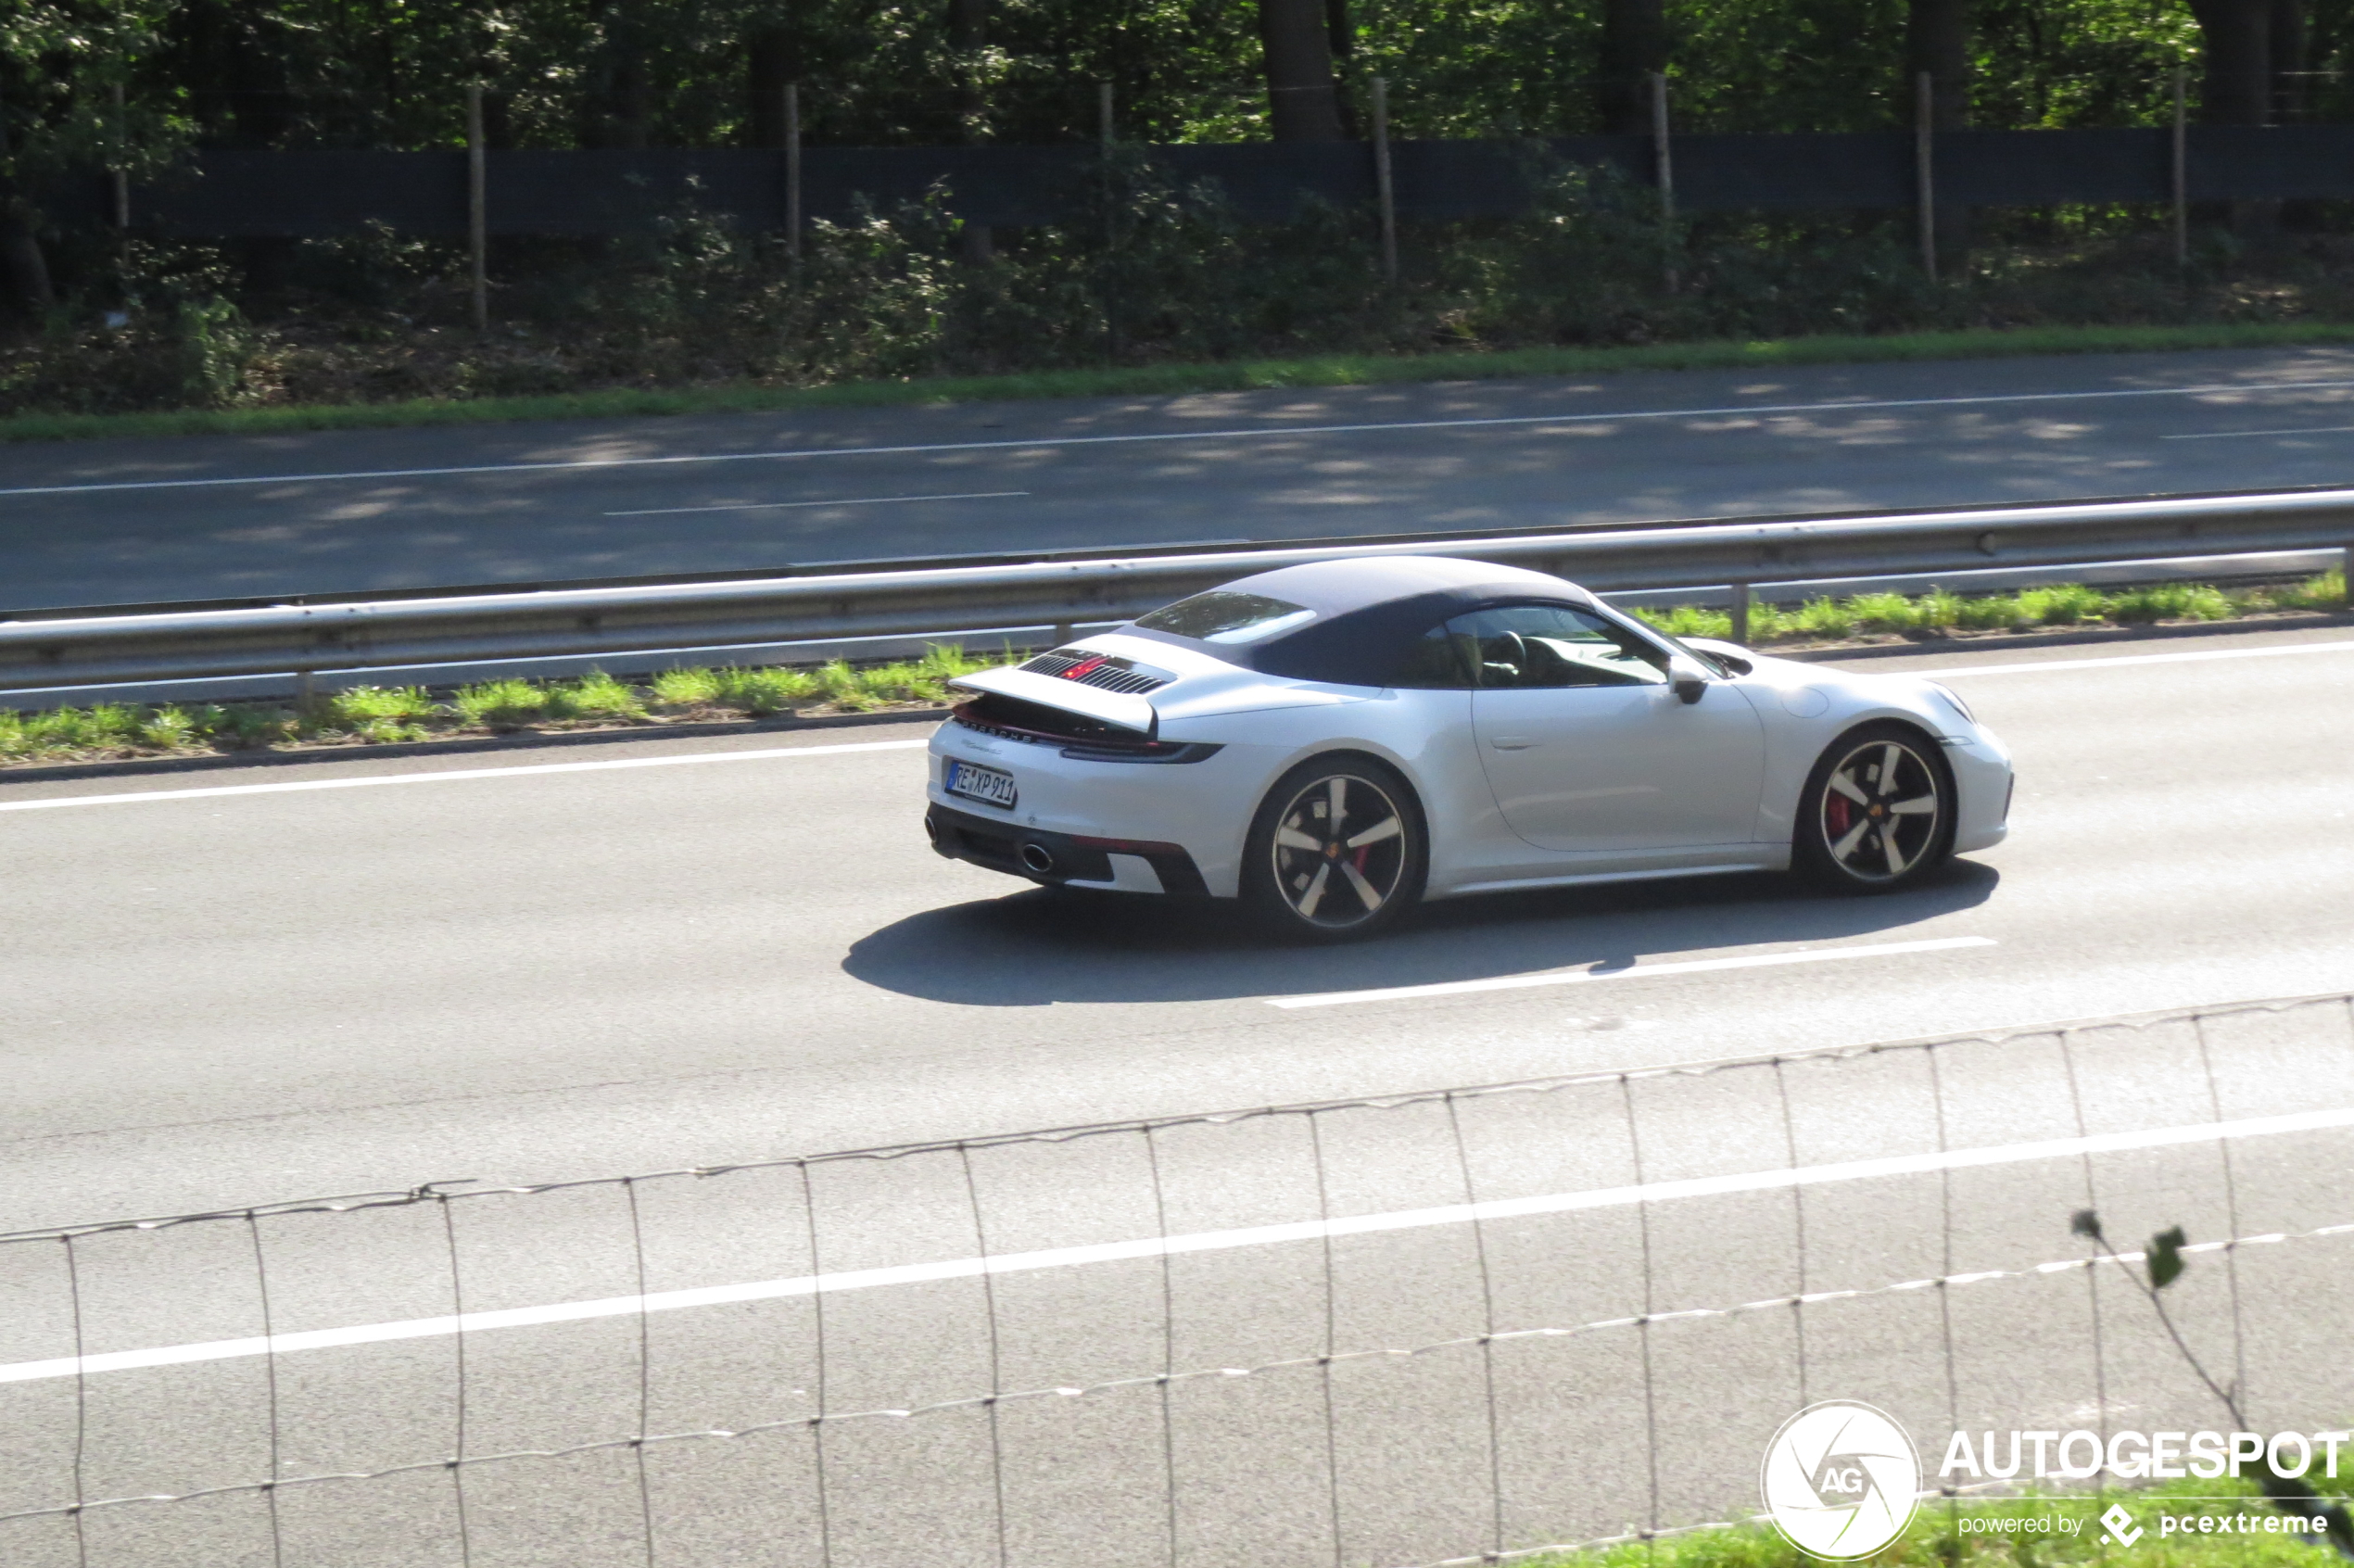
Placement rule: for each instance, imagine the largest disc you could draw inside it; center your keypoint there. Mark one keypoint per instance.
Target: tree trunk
(2237, 90)
(1634, 47)
(1937, 40)
(2238, 35)
(768, 67)
(21, 257)
(968, 35)
(1304, 98)
(2290, 47)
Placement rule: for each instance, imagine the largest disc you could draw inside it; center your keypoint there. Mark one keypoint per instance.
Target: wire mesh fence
(1452, 1326)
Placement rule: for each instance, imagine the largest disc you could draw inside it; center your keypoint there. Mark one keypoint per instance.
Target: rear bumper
(1054, 859)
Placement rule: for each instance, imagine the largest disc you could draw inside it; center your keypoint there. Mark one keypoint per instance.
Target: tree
(1302, 95)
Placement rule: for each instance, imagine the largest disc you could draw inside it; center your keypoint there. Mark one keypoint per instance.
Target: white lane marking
(1043, 441)
(2280, 652)
(1642, 971)
(443, 778)
(1206, 1241)
(2228, 435)
(787, 506)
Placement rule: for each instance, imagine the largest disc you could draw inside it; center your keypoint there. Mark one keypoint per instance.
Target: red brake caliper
(1836, 810)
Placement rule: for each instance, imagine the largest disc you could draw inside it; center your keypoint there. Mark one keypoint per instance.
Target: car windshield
(1220, 616)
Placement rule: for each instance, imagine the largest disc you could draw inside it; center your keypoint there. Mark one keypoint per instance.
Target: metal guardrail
(945, 600)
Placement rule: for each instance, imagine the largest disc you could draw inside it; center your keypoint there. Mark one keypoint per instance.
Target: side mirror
(1688, 681)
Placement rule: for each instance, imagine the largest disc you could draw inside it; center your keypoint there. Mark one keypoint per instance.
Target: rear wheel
(1336, 851)
(1877, 814)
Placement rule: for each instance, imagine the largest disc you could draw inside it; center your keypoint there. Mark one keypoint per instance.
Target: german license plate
(977, 783)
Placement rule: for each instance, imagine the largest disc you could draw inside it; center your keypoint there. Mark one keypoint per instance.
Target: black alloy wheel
(1338, 851)
(1877, 812)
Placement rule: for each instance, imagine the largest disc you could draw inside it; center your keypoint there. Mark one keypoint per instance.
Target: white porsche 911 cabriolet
(1333, 742)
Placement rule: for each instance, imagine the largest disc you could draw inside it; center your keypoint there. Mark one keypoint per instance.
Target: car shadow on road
(1038, 946)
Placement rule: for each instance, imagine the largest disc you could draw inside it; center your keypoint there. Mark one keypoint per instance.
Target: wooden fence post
(2181, 177)
(477, 213)
(1382, 188)
(1924, 169)
(793, 170)
(122, 176)
(1663, 171)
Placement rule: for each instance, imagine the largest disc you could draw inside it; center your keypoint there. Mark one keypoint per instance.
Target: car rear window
(1220, 616)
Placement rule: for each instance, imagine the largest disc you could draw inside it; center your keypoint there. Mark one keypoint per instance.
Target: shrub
(2170, 601)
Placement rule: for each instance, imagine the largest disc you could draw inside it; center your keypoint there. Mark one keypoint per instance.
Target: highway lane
(130, 522)
(222, 997)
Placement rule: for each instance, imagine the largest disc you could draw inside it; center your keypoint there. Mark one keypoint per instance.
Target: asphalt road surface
(200, 519)
(503, 971)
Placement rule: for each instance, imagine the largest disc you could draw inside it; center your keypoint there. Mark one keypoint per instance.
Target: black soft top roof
(1369, 609)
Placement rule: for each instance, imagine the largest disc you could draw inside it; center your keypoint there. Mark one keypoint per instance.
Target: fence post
(1111, 225)
(477, 218)
(1663, 171)
(2181, 177)
(793, 170)
(1739, 632)
(1381, 187)
(1924, 179)
(122, 150)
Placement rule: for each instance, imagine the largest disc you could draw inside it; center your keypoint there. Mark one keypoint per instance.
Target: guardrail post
(306, 691)
(1063, 632)
(2345, 578)
(1740, 614)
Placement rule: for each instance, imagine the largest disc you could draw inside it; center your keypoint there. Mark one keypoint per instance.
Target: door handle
(1511, 742)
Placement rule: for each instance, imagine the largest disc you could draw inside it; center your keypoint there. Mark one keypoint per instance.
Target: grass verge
(1168, 380)
(1939, 1536)
(370, 715)
(377, 715)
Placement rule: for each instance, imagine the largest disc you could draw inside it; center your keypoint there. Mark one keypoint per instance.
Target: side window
(1440, 659)
(1551, 645)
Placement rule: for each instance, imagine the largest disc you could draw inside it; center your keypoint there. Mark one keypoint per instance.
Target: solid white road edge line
(1864, 406)
(2282, 651)
(1643, 972)
(1208, 1241)
(457, 773)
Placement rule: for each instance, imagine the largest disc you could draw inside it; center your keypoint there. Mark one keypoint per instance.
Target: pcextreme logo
(1840, 1480)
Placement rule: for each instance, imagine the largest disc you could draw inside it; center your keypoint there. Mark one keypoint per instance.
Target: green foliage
(2064, 605)
(764, 691)
(2170, 601)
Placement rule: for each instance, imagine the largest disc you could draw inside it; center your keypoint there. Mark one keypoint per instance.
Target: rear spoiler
(1119, 710)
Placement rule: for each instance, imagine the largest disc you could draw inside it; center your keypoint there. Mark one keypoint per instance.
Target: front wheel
(1338, 851)
(1877, 813)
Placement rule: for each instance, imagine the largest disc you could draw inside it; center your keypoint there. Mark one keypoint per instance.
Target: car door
(1586, 745)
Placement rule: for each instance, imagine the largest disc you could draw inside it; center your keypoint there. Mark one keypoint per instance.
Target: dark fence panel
(618, 192)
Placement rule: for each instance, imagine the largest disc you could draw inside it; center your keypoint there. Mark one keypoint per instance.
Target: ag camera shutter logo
(1840, 1480)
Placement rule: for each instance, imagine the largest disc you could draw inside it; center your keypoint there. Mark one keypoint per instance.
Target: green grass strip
(1970, 1532)
(1170, 380)
(375, 714)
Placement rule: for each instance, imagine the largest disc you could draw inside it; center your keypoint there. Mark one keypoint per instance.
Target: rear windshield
(1220, 616)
